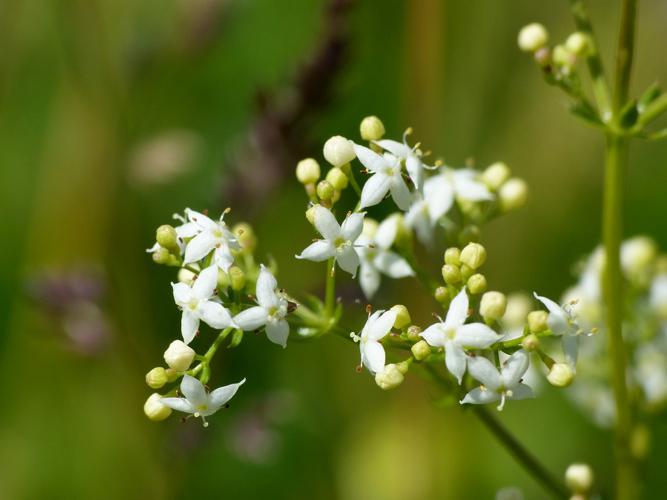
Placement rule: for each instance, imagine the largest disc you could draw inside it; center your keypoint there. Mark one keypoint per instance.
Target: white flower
(197, 401)
(376, 256)
(658, 295)
(563, 323)
(454, 336)
(377, 327)
(270, 311)
(412, 157)
(338, 241)
(197, 304)
(386, 177)
(498, 385)
(213, 235)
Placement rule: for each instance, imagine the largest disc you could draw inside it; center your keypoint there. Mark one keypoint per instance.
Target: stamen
(502, 402)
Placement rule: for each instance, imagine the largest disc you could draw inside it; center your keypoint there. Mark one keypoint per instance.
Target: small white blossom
(270, 311)
(498, 385)
(563, 323)
(338, 240)
(412, 157)
(376, 256)
(377, 327)
(197, 304)
(455, 337)
(197, 401)
(387, 177)
(213, 235)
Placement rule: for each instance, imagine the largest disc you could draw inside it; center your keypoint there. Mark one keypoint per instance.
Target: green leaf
(649, 95)
(586, 112)
(629, 114)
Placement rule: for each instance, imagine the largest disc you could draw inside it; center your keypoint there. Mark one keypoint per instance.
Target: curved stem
(330, 293)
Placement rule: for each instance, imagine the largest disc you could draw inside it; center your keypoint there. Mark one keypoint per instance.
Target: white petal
(434, 335)
(455, 359)
(199, 247)
(571, 349)
(418, 219)
(189, 325)
(214, 314)
(179, 404)
(558, 320)
(369, 158)
(514, 368)
(348, 260)
(223, 258)
(352, 226)
(471, 190)
(373, 356)
(458, 310)
(251, 319)
(277, 332)
(187, 230)
(479, 396)
(522, 391)
(266, 289)
(396, 148)
(393, 265)
(369, 280)
(439, 196)
(485, 372)
(201, 220)
(551, 306)
(386, 232)
(325, 223)
(381, 325)
(222, 395)
(476, 335)
(204, 285)
(182, 293)
(318, 251)
(374, 190)
(194, 391)
(416, 172)
(400, 193)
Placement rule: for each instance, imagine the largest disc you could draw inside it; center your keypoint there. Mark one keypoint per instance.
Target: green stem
(653, 110)
(330, 293)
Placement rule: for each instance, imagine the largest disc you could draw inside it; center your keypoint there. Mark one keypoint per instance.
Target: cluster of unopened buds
(485, 352)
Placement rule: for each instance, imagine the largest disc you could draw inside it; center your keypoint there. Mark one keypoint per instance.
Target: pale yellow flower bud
(492, 306)
(308, 171)
(513, 194)
(371, 128)
(338, 151)
(154, 409)
(532, 37)
(473, 255)
(579, 478)
(495, 175)
(337, 179)
(179, 355)
(560, 375)
(156, 378)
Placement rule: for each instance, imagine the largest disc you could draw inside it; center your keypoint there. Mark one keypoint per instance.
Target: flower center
(450, 333)
(192, 304)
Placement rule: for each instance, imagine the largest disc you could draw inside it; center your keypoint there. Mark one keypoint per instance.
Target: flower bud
(186, 276)
(441, 295)
(577, 43)
(413, 333)
(310, 214)
(532, 37)
(308, 171)
(337, 179)
(513, 194)
(171, 374)
(579, 478)
(469, 234)
(156, 378)
(495, 175)
(451, 274)
(518, 307)
(236, 278)
(339, 151)
(402, 316)
(537, 321)
(154, 409)
(371, 128)
(245, 236)
(638, 256)
(473, 255)
(389, 378)
(179, 356)
(421, 350)
(493, 305)
(161, 256)
(453, 256)
(476, 284)
(543, 57)
(466, 272)
(563, 57)
(560, 375)
(325, 190)
(166, 236)
(531, 343)
(223, 279)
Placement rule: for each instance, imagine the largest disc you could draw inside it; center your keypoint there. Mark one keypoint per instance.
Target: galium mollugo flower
(338, 240)
(412, 156)
(197, 303)
(270, 311)
(197, 401)
(377, 327)
(455, 336)
(212, 235)
(386, 177)
(563, 323)
(498, 385)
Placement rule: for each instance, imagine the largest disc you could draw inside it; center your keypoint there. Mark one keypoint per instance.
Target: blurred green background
(114, 114)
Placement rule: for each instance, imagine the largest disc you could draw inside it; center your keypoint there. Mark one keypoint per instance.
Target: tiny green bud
(563, 57)
(236, 278)
(310, 214)
(477, 284)
(492, 306)
(537, 321)
(560, 375)
(579, 478)
(577, 43)
(441, 295)
(179, 356)
(473, 255)
(531, 343)
(339, 151)
(156, 378)
(186, 276)
(325, 190)
(245, 236)
(513, 194)
(337, 179)
(495, 175)
(389, 378)
(470, 233)
(451, 274)
(161, 256)
(154, 409)
(371, 128)
(223, 279)
(453, 256)
(402, 316)
(308, 171)
(166, 236)
(171, 374)
(413, 333)
(421, 350)
(532, 37)
(466, 272)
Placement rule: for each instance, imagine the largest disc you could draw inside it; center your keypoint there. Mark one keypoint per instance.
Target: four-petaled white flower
(563, 323)
(386, 177)
(498, 385)
(376, 257)
(197, 401)
(338, 239)
(455, 337)
(197, 303)
(270, 311)
(377, 327)
(412, 157)
(213, 235)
